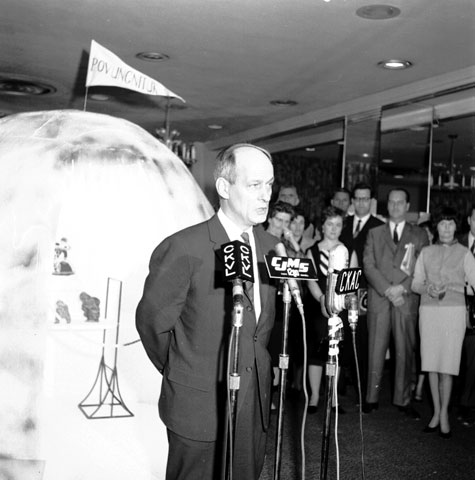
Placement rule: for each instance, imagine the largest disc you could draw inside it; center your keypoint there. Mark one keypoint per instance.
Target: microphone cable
(360, 397)
(305, 393)
(335, 396)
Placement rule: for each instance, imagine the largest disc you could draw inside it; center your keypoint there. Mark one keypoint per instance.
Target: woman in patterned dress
(317, 329)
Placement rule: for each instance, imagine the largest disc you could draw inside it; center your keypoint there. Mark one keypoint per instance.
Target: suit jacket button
(248, 369)
(255, 338)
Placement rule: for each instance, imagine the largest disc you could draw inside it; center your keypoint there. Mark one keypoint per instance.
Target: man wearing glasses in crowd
(354, 235)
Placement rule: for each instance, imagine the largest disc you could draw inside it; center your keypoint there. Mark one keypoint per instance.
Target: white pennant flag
(105, 68)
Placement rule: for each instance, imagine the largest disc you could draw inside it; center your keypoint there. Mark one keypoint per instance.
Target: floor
(395, 448)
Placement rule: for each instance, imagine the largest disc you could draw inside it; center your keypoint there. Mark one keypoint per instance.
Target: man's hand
(395, 295)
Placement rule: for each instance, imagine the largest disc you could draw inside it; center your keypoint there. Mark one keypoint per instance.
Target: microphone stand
(335, 325)
(234, 377)
(283, 366)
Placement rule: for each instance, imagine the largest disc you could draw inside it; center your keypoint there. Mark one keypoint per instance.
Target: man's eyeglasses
(362, 199)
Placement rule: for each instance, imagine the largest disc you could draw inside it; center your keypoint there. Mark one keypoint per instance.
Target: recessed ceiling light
(283, 103)
(378, 12)
(215, 126)
(365, 155)
(99, 97)
(395, 64)
(399, 176)
(153, 56)
(309, 149)
(24, 87)
(387, 160)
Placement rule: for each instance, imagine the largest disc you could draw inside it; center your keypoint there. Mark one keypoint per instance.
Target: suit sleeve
(419, 281)
(469, 268)
(423, 241)
(375, 278)
(164, 295)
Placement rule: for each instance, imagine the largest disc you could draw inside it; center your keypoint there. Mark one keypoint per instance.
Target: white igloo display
(84, 199)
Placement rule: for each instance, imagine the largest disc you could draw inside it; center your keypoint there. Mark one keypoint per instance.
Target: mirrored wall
(423, 147)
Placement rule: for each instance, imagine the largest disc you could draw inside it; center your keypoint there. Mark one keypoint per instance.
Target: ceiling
(229, 59)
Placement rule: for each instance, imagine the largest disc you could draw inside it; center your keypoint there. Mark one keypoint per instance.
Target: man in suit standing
(185, 317)
(353, 235)
(467, 369)
(388, 261)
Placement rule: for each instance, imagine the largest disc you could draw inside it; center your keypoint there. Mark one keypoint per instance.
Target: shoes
(311, 409)
(428, 429)
(410, 411)
(341, 411)
(445, 435)
(368, 407)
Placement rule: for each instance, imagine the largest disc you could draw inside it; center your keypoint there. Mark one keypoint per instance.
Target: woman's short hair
(279, 207)
(445, 213)
(331, 212)
(299, 212)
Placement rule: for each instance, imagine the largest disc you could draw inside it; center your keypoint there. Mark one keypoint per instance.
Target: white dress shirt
(234, 233)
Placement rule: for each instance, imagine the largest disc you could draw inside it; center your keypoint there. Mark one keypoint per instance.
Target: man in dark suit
(353, 235)
(467, 368)
(185, 317)
(388, 261)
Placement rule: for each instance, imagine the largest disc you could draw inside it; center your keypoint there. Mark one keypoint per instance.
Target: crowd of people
(416, 283)
(410, 291)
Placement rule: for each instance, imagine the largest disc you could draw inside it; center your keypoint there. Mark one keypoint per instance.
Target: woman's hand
(436, 290)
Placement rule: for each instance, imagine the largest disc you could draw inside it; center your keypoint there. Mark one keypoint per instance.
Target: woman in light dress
(441, 271)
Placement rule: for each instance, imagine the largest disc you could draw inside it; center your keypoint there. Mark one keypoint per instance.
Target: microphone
(292, 283)
(338, 260)
(352, 307)
(288, 235)
(238, 267)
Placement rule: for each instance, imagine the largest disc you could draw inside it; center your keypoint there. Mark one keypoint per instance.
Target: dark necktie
(395, 235)
(357, 229)
(248, 286)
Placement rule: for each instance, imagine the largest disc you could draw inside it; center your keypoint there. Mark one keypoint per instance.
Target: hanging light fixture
(184, 151)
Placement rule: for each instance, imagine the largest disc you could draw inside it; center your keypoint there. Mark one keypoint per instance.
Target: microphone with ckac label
(342, 283)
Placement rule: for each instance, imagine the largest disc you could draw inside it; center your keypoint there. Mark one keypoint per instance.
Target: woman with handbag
(440, 275)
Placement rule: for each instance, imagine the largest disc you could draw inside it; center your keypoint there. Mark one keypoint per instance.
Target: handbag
(470, 306)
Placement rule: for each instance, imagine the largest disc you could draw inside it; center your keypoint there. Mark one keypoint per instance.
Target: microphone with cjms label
(238, 267)
(292, 283)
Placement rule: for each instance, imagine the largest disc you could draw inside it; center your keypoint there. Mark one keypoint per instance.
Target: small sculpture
(90, 306)
(62, 312)
(61, 266)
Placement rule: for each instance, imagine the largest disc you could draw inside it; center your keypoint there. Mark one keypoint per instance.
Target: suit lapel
(388, 239)
(406, 236)
(217, 235)
(263, 285)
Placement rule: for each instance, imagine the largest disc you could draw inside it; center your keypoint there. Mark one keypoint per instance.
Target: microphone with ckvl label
(238, 267)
